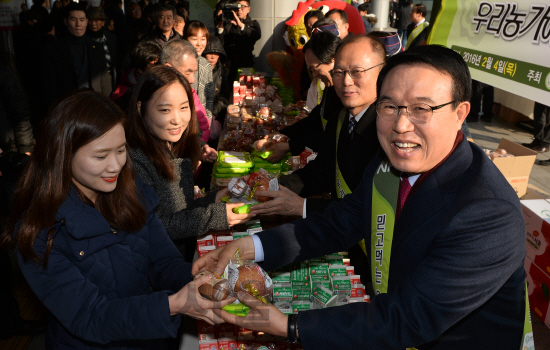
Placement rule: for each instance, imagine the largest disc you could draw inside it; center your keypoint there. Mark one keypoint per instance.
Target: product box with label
(536, 213)
(282, 292)
(516, 169)
(211, 344)
(538, 284)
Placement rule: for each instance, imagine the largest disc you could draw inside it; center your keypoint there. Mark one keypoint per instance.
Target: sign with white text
(505, 44)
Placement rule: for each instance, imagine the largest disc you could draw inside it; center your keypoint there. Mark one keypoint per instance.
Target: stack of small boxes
(253, 87)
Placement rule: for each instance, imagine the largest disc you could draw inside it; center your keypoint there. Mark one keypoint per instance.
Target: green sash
(341, 186)
(385, 187)
(416, 32)
(322, 114)
(527, 341)
(320, 92)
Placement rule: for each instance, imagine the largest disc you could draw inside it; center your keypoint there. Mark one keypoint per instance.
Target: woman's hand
(209, 154)
(220, 194)
(188, 301)
(234, 219)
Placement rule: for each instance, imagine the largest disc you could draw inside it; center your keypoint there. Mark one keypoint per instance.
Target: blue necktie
(352, 123)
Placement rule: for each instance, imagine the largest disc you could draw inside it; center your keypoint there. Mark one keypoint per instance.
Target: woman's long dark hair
(140, 136)
(76, 120)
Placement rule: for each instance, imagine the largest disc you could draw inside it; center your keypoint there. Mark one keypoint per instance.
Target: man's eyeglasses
(313, 69)
(243, 6)
(418, 113)
(354, 73)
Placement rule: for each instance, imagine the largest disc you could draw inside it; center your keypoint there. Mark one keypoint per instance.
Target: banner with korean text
(505, 44)
(9, 14)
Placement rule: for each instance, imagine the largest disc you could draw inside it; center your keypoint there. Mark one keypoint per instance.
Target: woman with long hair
(88, 240)
(165, 150)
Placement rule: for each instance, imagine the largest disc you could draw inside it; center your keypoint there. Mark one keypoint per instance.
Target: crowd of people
(126, 111)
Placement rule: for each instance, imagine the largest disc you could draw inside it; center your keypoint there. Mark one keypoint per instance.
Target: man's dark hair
(421, 8)
(323, 45)
(315, 13)
(377, 46)
(161, 8)
(323, 22)
(439, 57)
(74, 6)
(144, 53)
(247, 1)
(342, 14)
(363, 7)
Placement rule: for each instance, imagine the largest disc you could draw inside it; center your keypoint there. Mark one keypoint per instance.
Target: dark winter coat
(219, 77)
(15, 126)
(239, 44)
(106, 288)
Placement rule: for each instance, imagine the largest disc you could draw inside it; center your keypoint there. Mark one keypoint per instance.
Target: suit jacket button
(115, 232)
(81, 253)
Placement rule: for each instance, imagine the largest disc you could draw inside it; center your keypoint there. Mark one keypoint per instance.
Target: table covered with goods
(260, 108)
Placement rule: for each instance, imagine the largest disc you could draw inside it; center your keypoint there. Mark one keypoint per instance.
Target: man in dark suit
(417, 31)
(81, 59)
(354, 79)
(456, 239)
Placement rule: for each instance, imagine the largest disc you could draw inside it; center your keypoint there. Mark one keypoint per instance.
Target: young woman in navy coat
(88, 240)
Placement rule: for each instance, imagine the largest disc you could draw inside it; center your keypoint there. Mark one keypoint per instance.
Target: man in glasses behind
(349, 142)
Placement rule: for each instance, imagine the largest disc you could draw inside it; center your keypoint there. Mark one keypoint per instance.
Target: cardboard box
(536, 213)
(538, 284)
(518, 168)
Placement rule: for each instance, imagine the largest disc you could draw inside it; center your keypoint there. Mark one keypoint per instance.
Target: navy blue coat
(107, 289)
(456, 276)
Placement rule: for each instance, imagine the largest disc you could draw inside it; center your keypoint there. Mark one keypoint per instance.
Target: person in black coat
(81, 59)
(108, 41)
(238, 38)
(418, 30)
(353, 150)
(215, 54)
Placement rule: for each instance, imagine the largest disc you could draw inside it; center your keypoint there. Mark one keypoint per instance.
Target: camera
(227, 10)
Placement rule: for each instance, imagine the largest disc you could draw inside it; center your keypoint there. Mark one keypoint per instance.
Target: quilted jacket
(105, 288)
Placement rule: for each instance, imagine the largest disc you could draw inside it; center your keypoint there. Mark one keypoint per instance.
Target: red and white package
(223, 240)
(208, 344)
(227, 343)
(358, 291)
(206, 240)
(350, 271)
(355, 279)
(227, 330)
(205, 249)
(207, 331)
(307, 156)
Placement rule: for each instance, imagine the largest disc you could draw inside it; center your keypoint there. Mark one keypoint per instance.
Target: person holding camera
(238, 33)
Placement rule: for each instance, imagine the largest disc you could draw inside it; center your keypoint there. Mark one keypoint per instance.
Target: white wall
(271, 15)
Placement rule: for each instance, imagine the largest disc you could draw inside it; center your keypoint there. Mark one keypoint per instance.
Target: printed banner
(505, 44)
(9, 14)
